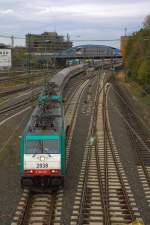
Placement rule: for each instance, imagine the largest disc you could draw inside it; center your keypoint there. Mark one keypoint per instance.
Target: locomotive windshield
(42, 147)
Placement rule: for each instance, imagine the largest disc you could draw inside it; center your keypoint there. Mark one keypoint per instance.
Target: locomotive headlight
(56, 172)
(28, 171)
(42, 158)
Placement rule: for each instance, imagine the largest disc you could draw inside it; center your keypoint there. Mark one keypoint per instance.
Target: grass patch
(137, 91)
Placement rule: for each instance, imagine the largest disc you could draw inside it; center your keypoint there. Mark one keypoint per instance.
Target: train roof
(60, 78)
(47, 117)
(45, 122)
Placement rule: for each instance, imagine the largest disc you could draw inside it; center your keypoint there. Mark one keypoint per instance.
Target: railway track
(71, 107)
(27, 101)
(25, 76)
(13, 91)
(72, 111)
(38, 208)
(23, 87)
(45, 208)
(10, 110)
(140, 141)
(20, 89)
(18, 104)
(103, 193)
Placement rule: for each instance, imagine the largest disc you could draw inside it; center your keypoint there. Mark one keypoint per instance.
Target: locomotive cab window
(42, 147)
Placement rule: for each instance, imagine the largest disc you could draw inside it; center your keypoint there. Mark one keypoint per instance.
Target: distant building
(47, 42)
(5, 56)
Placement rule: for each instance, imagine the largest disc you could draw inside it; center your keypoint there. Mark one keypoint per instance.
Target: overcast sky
(90, 19)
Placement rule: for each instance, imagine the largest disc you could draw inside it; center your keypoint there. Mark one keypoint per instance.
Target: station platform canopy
(90, 51)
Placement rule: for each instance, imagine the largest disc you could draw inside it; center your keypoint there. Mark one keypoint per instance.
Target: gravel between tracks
(127, 155)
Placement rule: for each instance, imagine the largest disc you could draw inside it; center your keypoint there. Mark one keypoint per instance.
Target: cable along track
(103, 194)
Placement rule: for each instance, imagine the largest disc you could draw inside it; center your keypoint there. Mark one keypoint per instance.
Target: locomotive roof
(60, 77)
(50, 121)
(46, 121)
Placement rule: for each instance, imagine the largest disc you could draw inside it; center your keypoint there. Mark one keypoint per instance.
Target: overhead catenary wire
(10, 36)
(76, 40)
(96, 40)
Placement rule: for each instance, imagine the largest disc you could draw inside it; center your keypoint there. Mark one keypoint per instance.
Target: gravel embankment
(127, 154)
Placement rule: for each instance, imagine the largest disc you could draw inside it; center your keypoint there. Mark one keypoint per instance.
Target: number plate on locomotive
(42, 165)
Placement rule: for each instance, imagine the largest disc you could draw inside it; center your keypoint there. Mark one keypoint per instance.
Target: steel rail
(16, 90)
(23, 217)
(107, 213)
(103, 183)
(18, 104)
(136, 123)
(126, 198)
(91, 133)
(29, 212)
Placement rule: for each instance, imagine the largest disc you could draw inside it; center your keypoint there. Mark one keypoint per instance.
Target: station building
(5, 57)
(92, 51)
(47, 42)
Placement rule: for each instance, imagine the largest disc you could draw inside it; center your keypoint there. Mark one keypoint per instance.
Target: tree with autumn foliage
(137, 54)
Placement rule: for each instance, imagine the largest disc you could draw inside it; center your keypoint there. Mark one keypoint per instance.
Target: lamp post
(45, 42)
(29, 58)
